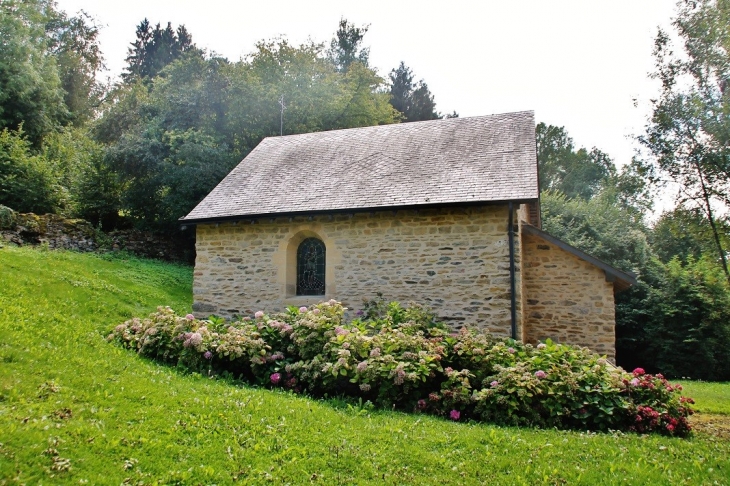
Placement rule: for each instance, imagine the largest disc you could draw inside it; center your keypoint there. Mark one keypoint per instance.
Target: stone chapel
(444, 213)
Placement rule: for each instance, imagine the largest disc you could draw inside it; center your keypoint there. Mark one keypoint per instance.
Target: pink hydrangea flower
(422, 404)
(192, 340)
(302, 309)
(541, 346)
(208, 355)
(400, 377)
(540, 374)
(190, 317)
(259, 314)
(315, 311)
(494, 384)
(275, 378)
(634, 382)
(511, 350)
(639, 372)
(455, 415)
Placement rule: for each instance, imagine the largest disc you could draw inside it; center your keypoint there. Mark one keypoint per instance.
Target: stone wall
(454, 260)
(51, 229)
(566, 299)
(63, 233)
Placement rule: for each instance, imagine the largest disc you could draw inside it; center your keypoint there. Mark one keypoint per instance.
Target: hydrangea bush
(401, 358)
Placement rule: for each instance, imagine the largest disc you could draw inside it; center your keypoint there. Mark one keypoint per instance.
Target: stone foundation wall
(566, 299)
(454, 260)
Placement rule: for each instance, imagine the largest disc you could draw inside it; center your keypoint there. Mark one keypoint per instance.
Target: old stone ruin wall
(58, 232)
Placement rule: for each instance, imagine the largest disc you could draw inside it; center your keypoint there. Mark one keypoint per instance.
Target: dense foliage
(677, 320)
(48, 67)
(402, 360)
(48, 93)
(684, 233)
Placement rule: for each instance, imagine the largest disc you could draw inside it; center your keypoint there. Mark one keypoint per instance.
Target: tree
(688, 134)
(170, 142)
(27, 181)
(31, 94)
(684, 233)
(346, 46)
(413, 100)
(98, 191)
(676, 321)
(575, 173)
(164, 174)
(48, 68)
(74, 44)
(155, 48)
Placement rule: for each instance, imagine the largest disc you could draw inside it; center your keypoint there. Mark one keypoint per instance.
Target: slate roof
(454, 161)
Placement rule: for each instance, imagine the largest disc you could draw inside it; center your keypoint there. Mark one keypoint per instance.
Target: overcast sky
(576, 63)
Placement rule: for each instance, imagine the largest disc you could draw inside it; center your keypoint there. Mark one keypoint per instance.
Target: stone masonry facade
(566, 299)
(455, 260)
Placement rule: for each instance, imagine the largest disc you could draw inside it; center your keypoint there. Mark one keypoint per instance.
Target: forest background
(143, 151)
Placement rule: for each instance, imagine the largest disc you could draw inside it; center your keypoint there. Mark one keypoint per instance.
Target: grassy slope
(710, 397)
(130, 418)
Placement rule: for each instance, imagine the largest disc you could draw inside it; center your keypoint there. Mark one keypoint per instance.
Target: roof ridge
(403, 125)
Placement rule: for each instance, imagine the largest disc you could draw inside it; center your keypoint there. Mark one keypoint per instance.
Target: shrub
(8, 218)
(677, 320)
(414, 365)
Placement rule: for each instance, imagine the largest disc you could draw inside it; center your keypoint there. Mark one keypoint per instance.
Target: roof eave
(290, 214)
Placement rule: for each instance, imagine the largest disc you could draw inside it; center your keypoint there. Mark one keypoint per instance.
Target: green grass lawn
(710, 397)
(77, 410)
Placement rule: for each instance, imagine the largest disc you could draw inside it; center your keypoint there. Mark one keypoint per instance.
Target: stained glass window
(310, 267)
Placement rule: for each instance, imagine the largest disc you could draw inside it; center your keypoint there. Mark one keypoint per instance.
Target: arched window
(310, 267)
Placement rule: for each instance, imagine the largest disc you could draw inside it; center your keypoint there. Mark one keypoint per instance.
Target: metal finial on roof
(283, 107)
